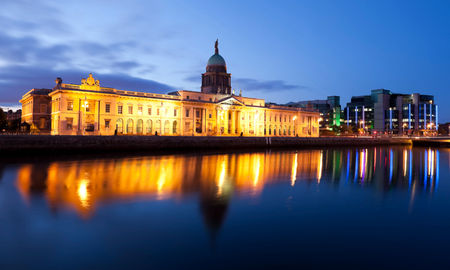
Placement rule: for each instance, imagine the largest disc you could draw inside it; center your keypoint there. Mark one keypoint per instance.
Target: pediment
(230, 101)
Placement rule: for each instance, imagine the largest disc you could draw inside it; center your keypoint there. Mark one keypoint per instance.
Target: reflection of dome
(216, 60)
(214, 211)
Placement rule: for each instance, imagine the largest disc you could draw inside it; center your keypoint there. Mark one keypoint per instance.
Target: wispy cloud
(30, 59)
(194, 78)
(260, 85)
(16, 81)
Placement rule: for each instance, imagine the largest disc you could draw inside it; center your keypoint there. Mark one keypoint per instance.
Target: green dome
(216, 60)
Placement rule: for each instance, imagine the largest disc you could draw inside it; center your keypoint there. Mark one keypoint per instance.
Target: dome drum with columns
(216, 80)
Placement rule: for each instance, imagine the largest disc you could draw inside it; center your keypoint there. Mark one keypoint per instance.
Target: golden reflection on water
(83, 185)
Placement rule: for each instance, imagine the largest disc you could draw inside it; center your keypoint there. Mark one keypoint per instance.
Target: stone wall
(43, 144)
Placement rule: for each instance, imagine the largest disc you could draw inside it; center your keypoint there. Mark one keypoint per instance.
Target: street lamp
(85, 106)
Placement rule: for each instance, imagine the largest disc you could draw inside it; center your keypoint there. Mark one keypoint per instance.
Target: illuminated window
(140, 110)
(174, 127)
(119, 125)
(140, 126)
(69, 123)
(130, 109)
(70, 105)
(157, 111)
(149, 110)
(130, 126)
(149, 126)
(119, 109)
(107, 108)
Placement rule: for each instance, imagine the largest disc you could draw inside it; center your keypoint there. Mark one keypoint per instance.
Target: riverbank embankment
(46, 144)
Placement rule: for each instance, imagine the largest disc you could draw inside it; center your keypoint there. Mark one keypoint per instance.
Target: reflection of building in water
(384, 167)
(84, 184)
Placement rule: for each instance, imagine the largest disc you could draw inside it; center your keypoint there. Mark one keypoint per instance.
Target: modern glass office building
(385, 111)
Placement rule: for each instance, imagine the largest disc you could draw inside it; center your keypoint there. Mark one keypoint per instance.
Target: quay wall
(47, 144)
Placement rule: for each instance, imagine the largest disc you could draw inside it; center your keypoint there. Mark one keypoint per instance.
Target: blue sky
(279, 50)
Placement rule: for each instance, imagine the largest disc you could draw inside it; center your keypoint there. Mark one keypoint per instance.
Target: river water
(364, 208)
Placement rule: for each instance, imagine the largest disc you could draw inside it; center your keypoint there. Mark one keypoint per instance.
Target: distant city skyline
(294, 51)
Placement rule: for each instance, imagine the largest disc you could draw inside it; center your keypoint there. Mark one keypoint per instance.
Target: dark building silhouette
(329, 109)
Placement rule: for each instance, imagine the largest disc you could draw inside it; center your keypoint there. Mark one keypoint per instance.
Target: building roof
(216, 60)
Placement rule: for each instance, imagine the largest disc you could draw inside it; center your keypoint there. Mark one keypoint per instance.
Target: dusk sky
(278, 50)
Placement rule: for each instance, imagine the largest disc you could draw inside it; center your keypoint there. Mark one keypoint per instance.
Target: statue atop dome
(216, 46)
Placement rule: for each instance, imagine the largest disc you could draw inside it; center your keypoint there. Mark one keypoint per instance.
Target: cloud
(126, 65)
(17, 80)
(194, 78)
(252, 85)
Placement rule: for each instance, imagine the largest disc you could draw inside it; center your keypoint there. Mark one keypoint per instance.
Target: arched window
(158, 126)
(140, 126)
(270, 130)
(284, 131)
(149, 126)
(166, 127)
(174, 128)
(130, 126)
(119, 126)
(275, 131)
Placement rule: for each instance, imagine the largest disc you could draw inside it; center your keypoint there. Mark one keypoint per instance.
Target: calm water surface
(325, 208)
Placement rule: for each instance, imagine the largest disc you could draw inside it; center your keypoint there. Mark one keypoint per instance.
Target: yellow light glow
(319, 168)
(294, 170)
(221, 177)
(82, 185)
(405, 162)
(256, 168)
(83, 193)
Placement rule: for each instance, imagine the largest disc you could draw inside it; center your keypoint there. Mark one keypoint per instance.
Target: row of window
(149, 111)
(86, 107)
(129, 127)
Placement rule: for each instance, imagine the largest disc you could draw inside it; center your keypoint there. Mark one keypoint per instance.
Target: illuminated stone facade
(89, 109)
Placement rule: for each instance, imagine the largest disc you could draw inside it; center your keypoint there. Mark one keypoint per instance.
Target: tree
(346, 130)
(3, 122)
(443, 129)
